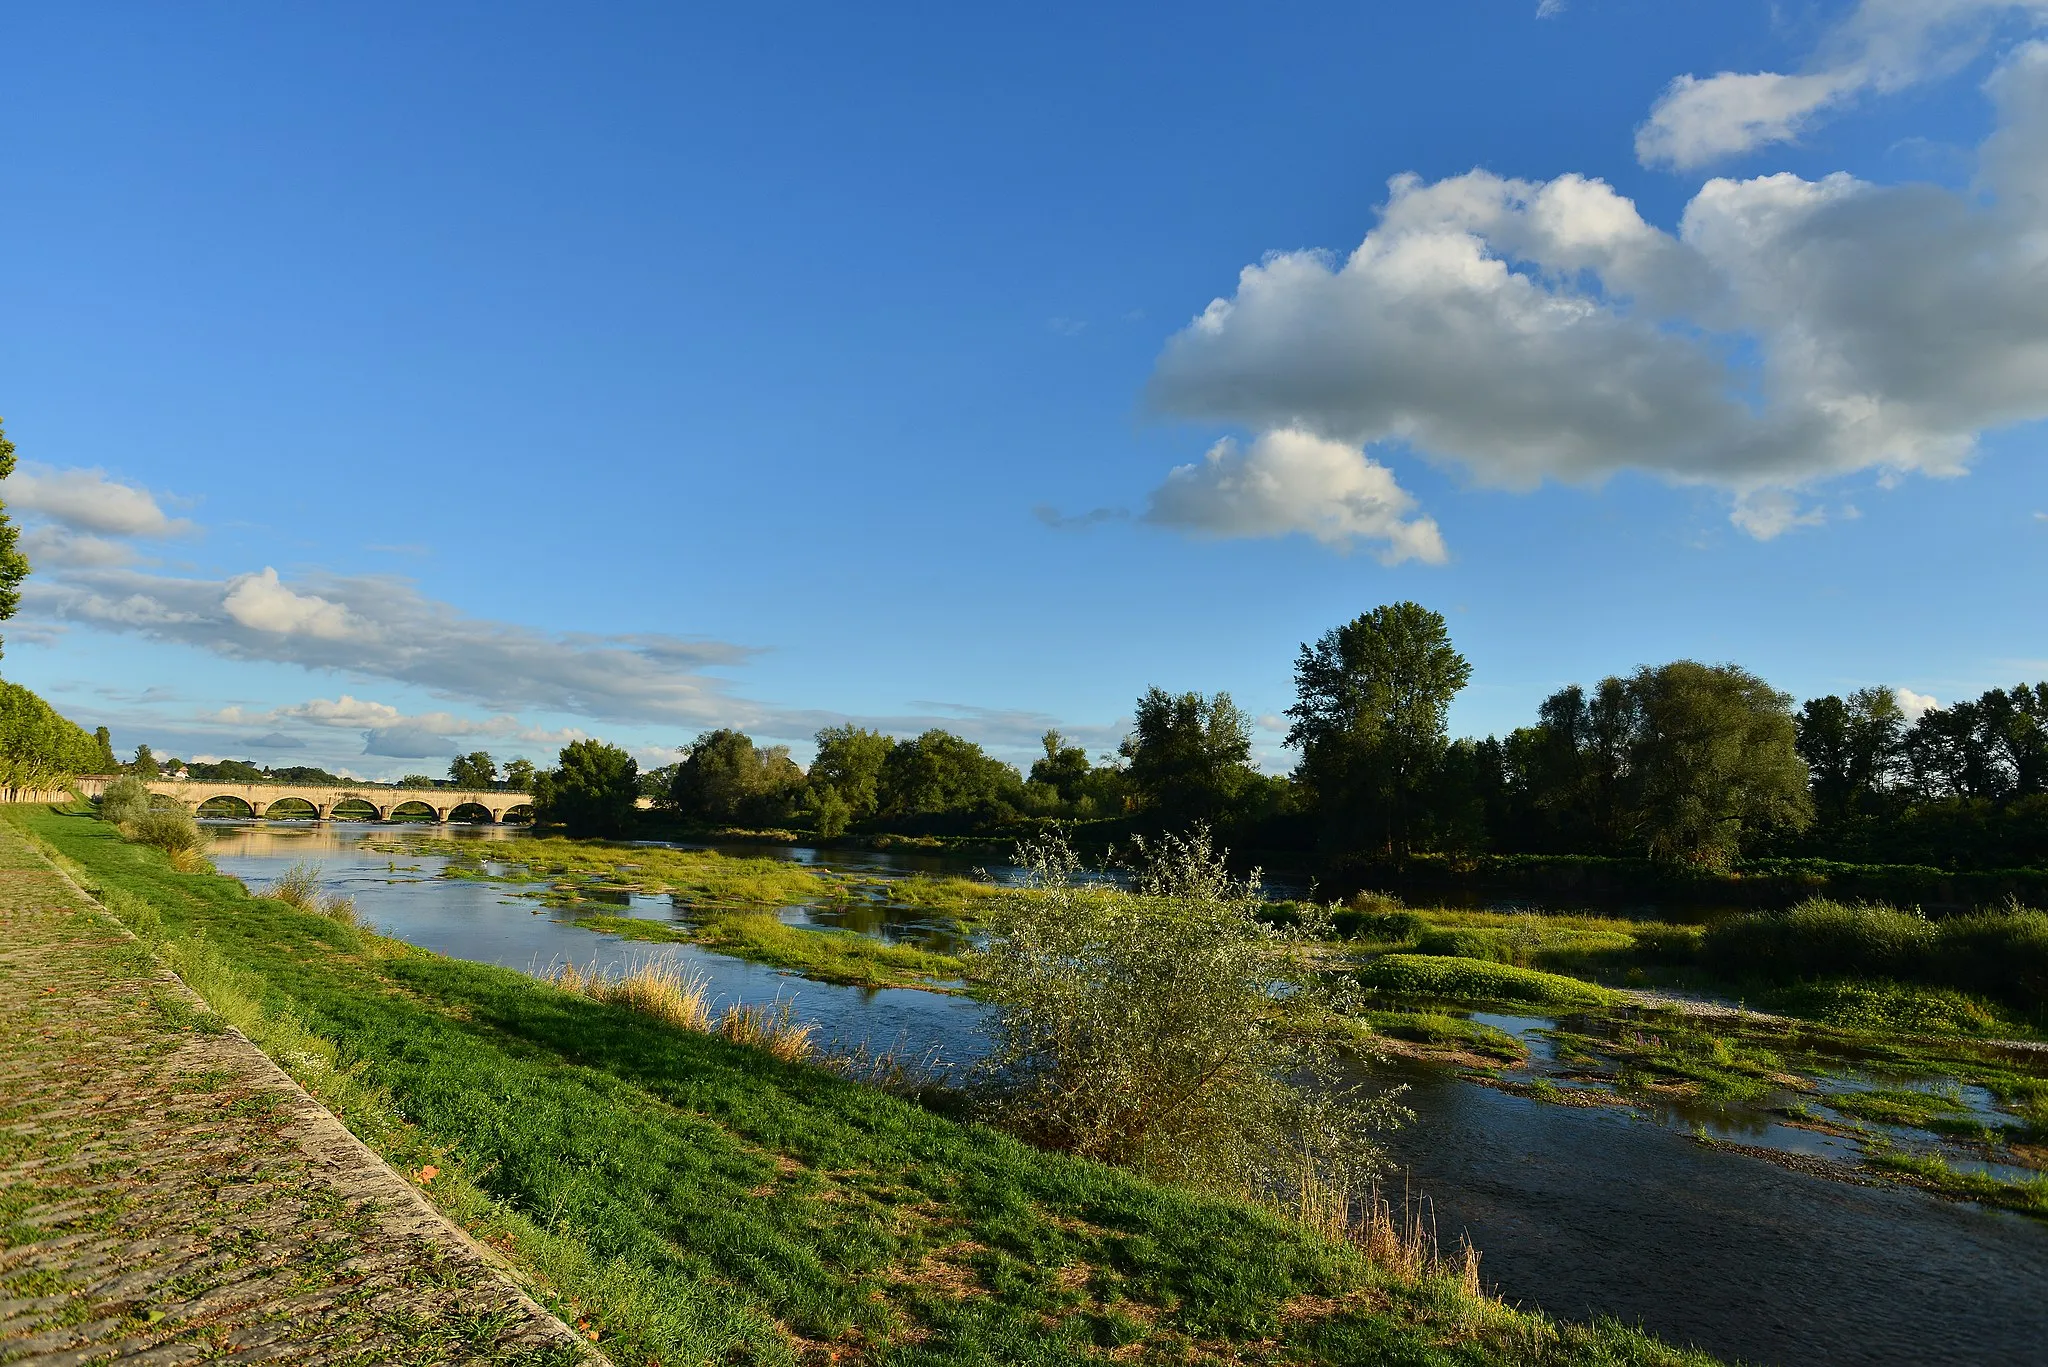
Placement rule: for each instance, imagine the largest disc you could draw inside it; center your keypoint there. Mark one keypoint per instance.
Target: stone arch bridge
(263, 799)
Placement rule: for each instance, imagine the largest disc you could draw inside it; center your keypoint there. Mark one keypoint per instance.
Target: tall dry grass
(1403, 1242)
(663, 989)
(660, 988)
(770, 1028)
(298, 887)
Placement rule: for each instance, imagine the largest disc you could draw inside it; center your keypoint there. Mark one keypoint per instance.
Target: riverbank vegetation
(691, 1199)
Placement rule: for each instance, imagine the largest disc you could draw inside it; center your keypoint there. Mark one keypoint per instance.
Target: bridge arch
(474, 813)
(521, 812)
(291, 809)
(411, 807)
(353, 809)
(229, 805)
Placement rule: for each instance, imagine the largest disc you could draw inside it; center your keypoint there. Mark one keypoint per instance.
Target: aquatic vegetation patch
(1444, 978)
(832, 956)
(1932, 1172)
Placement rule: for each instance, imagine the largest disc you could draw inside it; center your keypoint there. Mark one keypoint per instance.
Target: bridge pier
(321, 810)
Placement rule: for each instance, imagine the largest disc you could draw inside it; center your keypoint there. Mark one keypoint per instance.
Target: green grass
(831, 956)
(698, 1201)
(1933, 1111)
(1442, 978)
(1931, 1172)
(1672, 1053)
(693, 876)
(1443, 1030)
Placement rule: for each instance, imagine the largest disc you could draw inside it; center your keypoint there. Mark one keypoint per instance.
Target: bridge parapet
(259, 798)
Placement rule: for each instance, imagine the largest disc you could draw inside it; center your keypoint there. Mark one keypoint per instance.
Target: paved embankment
(169, 1195)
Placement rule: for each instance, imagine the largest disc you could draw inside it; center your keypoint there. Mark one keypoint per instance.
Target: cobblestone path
(169, 1195)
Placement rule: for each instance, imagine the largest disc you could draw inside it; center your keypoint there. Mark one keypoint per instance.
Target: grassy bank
(692, 1200)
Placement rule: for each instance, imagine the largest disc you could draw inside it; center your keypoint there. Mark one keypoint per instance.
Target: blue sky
(397, 380)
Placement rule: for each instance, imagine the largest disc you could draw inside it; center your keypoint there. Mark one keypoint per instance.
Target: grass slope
(692, 1201)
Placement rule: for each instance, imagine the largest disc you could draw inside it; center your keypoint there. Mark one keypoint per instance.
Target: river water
(1582, 1211)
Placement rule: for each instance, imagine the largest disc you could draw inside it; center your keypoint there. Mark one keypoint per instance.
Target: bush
(298, 887)
(1467, 943)
(1139, 1027)
(1457, 979)
(1819, 938)
(124, 801)
(1383, 926)
(1999, 954)
(1888, 1006)
(172, 830)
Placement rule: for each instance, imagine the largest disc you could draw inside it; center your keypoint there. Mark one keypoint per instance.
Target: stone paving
(169, 1195)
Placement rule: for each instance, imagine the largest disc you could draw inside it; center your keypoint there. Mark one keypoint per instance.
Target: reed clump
(1402, 1242)
(660, 988)
(298, 887)
(771, 1028)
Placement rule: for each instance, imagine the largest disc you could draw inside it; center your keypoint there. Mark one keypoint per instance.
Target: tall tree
(144, 765)
(13, 564)
(1854, 750)
(519, 775)
(849, 766)
(1371, 714)
(106, 763)
(727, 778)
(1712, 764)
(591, 791)
(1189, 756)
(474, 770)
(939, 773)
(1064, 768)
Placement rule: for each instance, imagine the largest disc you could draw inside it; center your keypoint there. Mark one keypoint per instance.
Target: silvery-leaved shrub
(1156, 1026)
(124, 800)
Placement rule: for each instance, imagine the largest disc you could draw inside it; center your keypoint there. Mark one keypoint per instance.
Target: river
(1579, 1210)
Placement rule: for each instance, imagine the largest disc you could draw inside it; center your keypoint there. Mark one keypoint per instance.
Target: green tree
(105, 763)
(726, 778)
(418, 781)
(1854, 750)
(1064, 769)
(849, 766)
(144, 765)
(939, 773)
(1189, 757)
(474, 770)
(591, 791)
(1713, 762)
(39, 749)
(13, 564)
(1371, 711)
(519, 775)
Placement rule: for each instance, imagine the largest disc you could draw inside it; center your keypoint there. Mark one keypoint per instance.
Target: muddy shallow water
(1579, 1210)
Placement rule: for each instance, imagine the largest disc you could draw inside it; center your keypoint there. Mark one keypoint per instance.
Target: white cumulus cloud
(1788, 331)
(1881, 47)
(1293, 481)
(263, 603)
(88, 501)
(1914, 705)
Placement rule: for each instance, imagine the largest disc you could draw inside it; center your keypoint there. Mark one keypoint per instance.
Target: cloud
(275, 740)
(87, 501)
(383, 628)
(51, 546)
(1075, 522)
(1550, 9)
(1769, 513)
(262, 603)
(1882, 47)
(1789, 331)
(1293, 481)
(1914, 705)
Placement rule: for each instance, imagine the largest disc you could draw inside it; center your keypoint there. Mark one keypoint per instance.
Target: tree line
(1684, 762)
